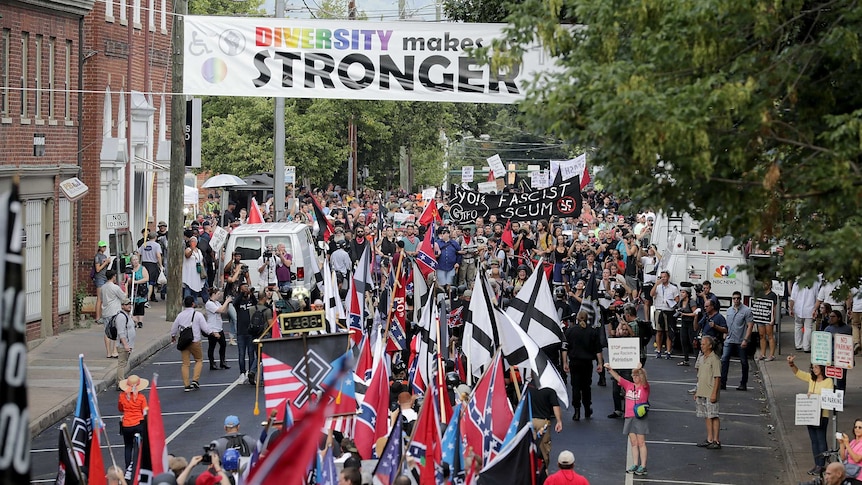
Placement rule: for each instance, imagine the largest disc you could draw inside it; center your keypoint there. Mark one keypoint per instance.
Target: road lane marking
(203, 410)
(687, 482)
(688, 443)
(689, 411)
(176, 413)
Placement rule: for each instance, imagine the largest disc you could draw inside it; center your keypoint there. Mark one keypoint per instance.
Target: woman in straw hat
(133, 405)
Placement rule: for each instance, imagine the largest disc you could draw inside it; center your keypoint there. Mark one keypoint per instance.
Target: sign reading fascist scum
(341, 59)
(562, 200)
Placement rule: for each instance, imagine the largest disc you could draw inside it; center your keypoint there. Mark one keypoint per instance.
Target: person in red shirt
(133, 406)
(567, 475)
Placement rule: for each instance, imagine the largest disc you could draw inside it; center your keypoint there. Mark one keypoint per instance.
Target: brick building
(81, 86)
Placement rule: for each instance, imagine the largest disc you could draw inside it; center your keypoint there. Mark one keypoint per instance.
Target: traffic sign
(835, 372)
(119, 220)
(821, 348)
(843, 351)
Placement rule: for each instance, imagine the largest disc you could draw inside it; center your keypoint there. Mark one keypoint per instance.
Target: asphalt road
(750, 454)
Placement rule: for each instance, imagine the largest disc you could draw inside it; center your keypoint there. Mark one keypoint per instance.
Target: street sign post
(119, 220)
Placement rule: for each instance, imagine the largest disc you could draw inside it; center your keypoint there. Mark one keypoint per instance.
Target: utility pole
(178, 164)
(352, 162)
(278, 171)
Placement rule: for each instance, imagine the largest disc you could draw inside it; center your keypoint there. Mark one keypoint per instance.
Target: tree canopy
(746, 114)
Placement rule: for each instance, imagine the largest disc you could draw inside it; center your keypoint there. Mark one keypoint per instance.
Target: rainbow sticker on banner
(214, 70)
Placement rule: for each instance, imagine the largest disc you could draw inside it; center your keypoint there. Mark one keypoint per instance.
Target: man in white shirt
(802, 302)
(665, 297)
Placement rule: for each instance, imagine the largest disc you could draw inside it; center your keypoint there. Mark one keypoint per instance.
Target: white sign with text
(624, 353)
(807, 410)
(496, 164)
(832, 399)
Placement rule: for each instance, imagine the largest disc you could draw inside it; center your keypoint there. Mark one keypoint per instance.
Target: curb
(790, 465)
(109, 379)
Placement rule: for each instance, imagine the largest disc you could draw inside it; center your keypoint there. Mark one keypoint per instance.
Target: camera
(698, 288)
(267, 254)
(206, 457)
(243, 269)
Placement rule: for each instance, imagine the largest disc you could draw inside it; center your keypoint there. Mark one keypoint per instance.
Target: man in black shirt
(244, 303)
(544, 405)
(357, 244)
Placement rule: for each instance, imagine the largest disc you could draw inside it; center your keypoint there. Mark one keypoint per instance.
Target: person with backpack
(123, 330)
(112, 297)
(190, 345)
(233, 439)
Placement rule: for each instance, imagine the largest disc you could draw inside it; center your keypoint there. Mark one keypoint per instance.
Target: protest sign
(624, 353)
(562, 200)
(466, 174)
(807, 410)
(496, 164)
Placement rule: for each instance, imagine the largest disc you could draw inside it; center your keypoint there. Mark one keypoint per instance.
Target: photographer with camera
(666, 296)
(235, 273)
(266, 266)
(214, 474)
(283, 273)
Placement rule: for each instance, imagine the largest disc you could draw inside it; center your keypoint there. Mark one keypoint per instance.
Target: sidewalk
(53, 376)
(53, 382)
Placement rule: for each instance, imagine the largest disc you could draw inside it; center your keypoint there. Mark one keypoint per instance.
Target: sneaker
(632, 469)
(704, 444)
(147, 305)
(658, 354)
(251, 377)
(641, 470)
(683, 363)
(693, 390)
(232, 341)
(770, 358)
(187, 388)
(224, 366)
(615, 415)
(761, 358)
(196, 385)
(715, 445)
(667, 355)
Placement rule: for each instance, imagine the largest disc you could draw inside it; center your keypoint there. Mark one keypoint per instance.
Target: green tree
(746, 113)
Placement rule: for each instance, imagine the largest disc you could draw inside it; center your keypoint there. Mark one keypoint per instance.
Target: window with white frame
(38, 61)
(124, 14)
(4, 72)
(67, 83)
(163, 22)
(33, 259)
(25, 44)
(151, 16)
(109, 10)
(64, 258)
(136, 13)
(51, 73)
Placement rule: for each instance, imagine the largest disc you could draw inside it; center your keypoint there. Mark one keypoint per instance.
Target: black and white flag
(521, 350)
(534, 310)
(480, 339)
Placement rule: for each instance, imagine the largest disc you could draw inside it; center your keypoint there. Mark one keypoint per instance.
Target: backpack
(258, 323)
(236, 442)
(111, 328)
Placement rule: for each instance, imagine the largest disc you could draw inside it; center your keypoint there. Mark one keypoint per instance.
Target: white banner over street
(342, 59)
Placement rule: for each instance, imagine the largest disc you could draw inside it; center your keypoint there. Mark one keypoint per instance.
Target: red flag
(254, 214)
(291, 453)
(425, 446)
(430, 214)
(397, 336)
(425, 255)
(547, 267)
(364, 361)
(156, 431)
(276, 327)
(446, 411)
(507, 235)
(585, 178)
(326, 229)
(488, 414)
(355, 313)
(372, 421)
(490, 175)
(96, 462)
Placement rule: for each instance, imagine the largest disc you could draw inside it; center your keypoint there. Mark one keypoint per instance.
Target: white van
(250, 240)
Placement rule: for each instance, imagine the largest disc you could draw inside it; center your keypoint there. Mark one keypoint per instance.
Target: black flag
(15, 454)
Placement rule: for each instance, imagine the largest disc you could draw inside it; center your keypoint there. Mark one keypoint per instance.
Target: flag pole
(69, 449)
(440, 375)
(392, 299)
(257, 377)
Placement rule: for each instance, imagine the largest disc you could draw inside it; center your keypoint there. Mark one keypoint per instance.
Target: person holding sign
(817, 381)
(766, 330)
(851, 451)
(636, 427)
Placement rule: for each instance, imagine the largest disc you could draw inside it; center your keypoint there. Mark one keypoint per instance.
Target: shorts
(706, 409)
(645, 294)
(445, 277)
(99, 281)
(138, 309)
(665, 321)
(636, 426)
